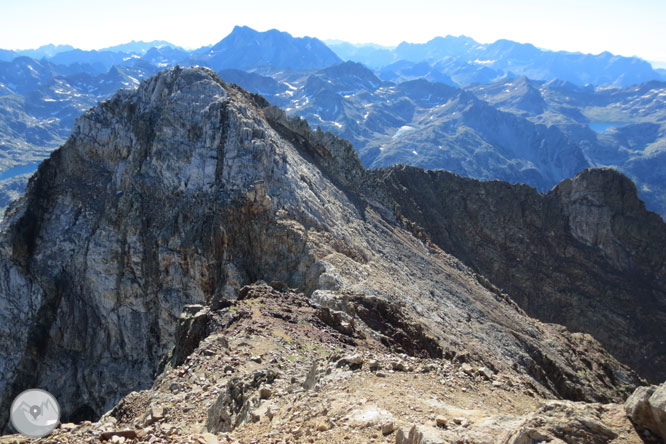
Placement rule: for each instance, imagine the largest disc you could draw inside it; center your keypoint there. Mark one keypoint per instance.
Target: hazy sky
(623, 27)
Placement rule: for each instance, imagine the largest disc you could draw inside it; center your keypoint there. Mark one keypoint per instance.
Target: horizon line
(326, 41)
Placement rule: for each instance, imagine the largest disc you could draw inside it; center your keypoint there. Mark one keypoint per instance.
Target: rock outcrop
(586, 255)
(185, 190)
(646, 408)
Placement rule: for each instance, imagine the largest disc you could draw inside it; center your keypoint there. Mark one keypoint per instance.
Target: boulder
(418, 435)
(354, 361)
(388, 428)
(126, 434)
(155, 414)
(557, 422)
(206, 438)
(441, 421)
(646, 408)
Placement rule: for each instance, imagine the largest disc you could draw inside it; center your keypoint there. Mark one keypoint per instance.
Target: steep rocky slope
(188, 188)
(586, 255)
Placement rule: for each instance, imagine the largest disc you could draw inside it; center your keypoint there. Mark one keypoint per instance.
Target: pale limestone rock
(206, 438)
(646, 408)
(387, 428)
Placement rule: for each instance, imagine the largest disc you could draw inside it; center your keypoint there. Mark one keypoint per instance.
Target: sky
(622, 27)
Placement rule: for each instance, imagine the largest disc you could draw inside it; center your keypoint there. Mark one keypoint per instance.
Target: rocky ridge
(585, 255)
(189, 188)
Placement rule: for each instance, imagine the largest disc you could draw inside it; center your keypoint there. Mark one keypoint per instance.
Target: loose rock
(388, 428)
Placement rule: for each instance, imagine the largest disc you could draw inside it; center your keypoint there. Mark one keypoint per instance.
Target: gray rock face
(193, 327)
(119, 230)
(586, 255)
(646, 408)
(183, 191)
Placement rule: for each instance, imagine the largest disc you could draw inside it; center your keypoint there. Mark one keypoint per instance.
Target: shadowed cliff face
(187, 189)
(586, 255)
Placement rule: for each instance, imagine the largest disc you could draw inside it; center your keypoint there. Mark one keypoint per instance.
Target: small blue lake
(603, 127)
(18, 170)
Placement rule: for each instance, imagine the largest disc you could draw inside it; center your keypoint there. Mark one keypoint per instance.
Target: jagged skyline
(585, 26)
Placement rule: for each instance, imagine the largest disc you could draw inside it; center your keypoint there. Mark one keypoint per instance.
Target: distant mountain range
(49, 51)
(451, 103)
(141, 47)
(461, 61)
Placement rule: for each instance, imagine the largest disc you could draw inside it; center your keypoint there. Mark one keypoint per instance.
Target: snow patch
(403, 130)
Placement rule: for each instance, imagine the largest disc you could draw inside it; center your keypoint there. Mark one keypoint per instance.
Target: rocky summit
(194, 266)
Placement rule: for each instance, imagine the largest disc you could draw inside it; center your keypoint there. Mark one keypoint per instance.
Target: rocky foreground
(125, 283)
(274, 368)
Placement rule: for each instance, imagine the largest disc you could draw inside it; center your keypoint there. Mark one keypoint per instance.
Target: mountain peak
(242, 30)
(346, 70)
(245, 48)
(604, 211)
(176, 80)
